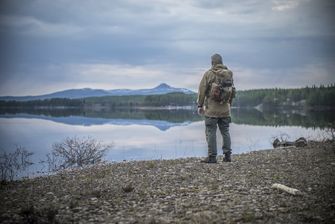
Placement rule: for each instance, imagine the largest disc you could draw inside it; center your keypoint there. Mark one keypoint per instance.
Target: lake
(150, 134)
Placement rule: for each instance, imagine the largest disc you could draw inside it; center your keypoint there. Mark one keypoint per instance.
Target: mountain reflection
(161, 119)
(165, 119)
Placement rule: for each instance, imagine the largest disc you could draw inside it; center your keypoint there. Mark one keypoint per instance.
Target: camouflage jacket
(213, 108)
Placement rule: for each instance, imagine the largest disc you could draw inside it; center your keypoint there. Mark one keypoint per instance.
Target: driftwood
(300, 142)
(289, 190)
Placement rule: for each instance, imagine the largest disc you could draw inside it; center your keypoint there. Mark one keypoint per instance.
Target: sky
(52, 45)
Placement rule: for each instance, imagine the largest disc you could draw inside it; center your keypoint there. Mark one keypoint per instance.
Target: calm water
(147, 135)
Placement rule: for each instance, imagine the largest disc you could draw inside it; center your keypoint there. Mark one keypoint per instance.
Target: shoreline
(183, 190)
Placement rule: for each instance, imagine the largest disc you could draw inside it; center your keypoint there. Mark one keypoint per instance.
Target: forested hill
(170, 99)
(321, 97)
(310, 97)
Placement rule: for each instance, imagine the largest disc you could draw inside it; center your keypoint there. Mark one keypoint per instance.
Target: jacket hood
(219, 69)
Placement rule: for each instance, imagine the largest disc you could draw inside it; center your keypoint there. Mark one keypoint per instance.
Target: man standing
(215, 94)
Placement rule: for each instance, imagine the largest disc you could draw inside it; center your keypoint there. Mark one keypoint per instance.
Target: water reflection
(307, 119)
(161, 119)
(165, 119)
(149, 134)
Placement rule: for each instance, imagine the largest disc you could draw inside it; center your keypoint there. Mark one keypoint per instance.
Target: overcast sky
(54, 45)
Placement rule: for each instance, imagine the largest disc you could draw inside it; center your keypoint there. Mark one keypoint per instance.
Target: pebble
(219, 193)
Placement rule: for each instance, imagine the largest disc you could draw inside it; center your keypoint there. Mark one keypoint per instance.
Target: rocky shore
(183, 191)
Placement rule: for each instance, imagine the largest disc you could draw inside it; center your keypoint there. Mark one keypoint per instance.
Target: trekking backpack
(221, 89)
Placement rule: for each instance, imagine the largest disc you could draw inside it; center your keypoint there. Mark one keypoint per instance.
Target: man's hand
(201, 110)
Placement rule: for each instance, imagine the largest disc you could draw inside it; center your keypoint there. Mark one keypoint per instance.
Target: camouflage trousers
(211, 126)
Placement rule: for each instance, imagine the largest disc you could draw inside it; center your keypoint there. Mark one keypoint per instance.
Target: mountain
(160, 89)
(87, 92)
(71, 94)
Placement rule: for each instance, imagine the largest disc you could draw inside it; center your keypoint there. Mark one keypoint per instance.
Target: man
(216, 91)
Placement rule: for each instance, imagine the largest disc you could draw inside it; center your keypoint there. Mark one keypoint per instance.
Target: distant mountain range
(87, 92)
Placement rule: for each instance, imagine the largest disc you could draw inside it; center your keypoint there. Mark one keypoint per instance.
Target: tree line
(170, 99)
(308, 97)
(55, 102)
(321, 97)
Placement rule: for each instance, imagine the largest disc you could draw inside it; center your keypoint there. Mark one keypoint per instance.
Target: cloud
(283, 5)
(52, 45)
(118, 75)
(169, 17)
(312, 74)
(33, 26)
(113, 76)
(57, 77)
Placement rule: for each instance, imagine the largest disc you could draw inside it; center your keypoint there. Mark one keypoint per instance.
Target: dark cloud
(175, 37)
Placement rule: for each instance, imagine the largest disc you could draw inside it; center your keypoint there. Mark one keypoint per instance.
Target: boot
(227, 157)
(209, 159)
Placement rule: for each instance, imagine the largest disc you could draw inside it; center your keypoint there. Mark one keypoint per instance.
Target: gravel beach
(183, 191)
